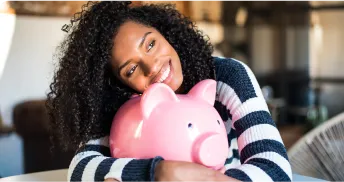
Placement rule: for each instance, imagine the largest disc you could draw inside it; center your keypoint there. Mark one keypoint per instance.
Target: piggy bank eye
(218, 122)
(190, 125)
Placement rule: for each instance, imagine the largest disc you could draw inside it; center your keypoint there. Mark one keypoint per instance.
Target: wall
(327, 57)
(29, 67)
(262, 49)
(27, 74)
(297, 48)
(265, 49)
(327, 42)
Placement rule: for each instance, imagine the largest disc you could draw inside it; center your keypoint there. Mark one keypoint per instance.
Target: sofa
(31, 123)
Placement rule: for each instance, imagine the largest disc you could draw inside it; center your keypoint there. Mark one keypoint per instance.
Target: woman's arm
(262, 153)
(93, 163)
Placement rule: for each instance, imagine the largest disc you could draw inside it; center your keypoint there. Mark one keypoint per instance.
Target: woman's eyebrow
(144, 38)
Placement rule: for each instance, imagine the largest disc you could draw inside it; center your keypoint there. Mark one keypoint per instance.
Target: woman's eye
(131, 71)
(151, 45)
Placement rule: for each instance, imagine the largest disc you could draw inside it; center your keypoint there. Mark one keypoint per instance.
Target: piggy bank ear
(204, 90)
(155, 95)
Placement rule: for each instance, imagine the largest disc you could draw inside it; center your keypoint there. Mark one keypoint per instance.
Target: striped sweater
(256, 150)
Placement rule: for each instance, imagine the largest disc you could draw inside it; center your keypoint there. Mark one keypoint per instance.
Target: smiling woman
(116, 50)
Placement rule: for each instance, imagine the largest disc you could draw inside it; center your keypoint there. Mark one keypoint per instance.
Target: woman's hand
(187, 171)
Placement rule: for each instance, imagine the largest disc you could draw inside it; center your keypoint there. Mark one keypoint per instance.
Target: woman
(115, 51)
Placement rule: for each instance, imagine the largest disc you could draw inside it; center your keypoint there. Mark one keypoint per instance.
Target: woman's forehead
(132, 30)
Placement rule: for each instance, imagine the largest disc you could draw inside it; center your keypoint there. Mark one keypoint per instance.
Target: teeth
(164, 75)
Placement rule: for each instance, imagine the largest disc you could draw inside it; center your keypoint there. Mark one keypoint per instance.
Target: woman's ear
(204, 90)
(156, 94)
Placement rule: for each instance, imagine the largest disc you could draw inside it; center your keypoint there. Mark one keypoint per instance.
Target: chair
(31, 122)
(319, 153)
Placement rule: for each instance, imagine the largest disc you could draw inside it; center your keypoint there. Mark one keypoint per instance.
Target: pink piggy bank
(174, 126)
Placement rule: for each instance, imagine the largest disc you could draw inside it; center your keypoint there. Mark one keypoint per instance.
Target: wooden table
(61, 175)
(54, 175)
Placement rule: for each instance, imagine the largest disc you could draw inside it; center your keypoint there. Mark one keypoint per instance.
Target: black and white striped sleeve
(262, 153)
(93, 163)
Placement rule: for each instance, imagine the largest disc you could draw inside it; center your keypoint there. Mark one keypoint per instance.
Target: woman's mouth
(166, 74)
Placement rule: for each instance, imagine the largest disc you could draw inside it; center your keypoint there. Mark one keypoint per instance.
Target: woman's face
(141, 56)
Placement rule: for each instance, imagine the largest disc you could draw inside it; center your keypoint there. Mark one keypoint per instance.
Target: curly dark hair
(85, 94)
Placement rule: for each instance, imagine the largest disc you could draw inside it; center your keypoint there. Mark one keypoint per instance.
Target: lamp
(316, 44)
(241, 17)
(7, 20)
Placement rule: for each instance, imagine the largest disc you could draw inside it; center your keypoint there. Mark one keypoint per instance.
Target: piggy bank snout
(211, 150)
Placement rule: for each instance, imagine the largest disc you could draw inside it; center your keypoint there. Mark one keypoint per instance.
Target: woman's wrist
(111, 180)
(158, 169)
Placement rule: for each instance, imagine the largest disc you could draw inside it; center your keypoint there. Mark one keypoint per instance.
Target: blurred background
(294, 49)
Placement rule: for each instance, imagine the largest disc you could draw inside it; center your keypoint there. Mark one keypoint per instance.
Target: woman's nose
(150, 67)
